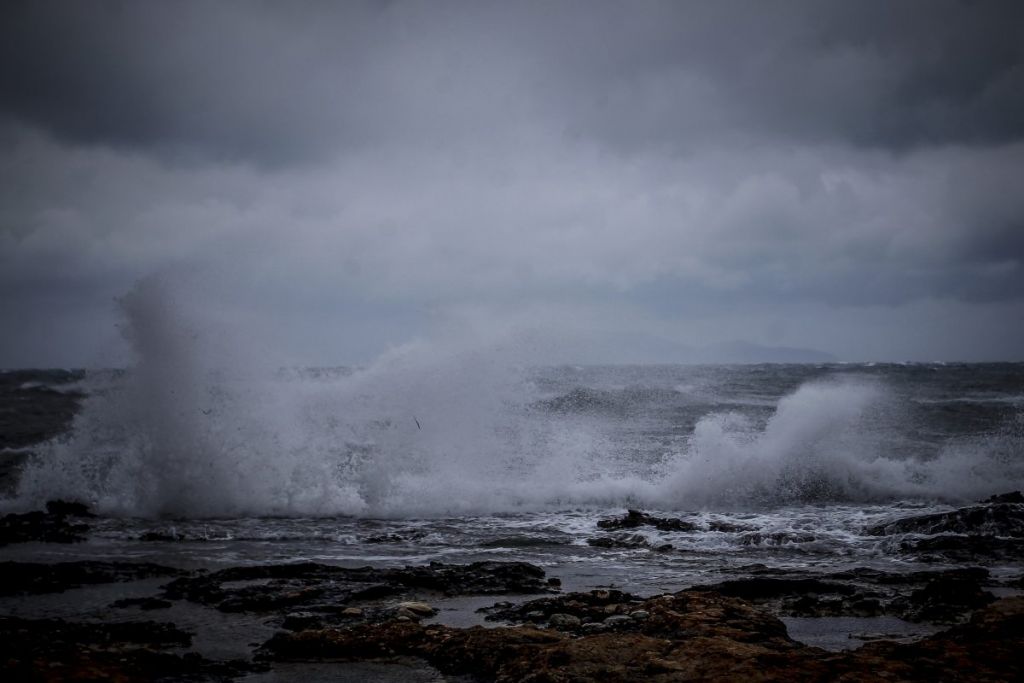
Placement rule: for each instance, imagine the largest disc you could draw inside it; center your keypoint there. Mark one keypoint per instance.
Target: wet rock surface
(944, 599)
(61, 522)
(992, 530)
(627, 541)
(58, 650)
(1011, 497)
(941, 596)
(764, 588)
(987, 648)
(635, 518)
(725, 631)
(328, 589)
(629, 649)
(729, 630)
(961, 548)
(989, 519)
(26, 578)
(679, 637)
(595, 607)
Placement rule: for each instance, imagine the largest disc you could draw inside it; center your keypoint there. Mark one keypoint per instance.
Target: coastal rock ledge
(685, 636)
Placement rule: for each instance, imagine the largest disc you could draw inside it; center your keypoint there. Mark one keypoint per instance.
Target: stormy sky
(626, 177)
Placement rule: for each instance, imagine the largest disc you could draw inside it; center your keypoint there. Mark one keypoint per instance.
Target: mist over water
(207, 424)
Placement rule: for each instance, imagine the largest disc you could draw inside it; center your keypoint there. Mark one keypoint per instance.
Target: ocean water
(461, 451)
(464, 459)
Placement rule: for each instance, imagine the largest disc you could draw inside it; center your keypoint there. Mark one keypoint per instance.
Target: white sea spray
(202, 426)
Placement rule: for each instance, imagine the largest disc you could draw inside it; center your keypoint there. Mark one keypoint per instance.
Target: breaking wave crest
(832, 441)
(198, 429)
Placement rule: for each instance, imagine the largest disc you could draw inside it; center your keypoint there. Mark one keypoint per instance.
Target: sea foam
(199, 427)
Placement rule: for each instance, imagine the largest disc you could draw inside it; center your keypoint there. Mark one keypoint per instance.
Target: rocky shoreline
(684, 636)
(729, 630)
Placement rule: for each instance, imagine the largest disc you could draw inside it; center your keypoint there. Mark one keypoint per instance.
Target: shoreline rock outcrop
(61, 522)
(327, 591)
(685, 636)
(128, 652)
(33, 578)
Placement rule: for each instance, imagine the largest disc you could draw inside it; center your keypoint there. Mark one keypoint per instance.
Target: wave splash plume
(198, 428)
(830, 441)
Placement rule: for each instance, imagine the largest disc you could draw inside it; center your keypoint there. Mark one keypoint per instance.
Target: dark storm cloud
(893, 75)
(232, 80)
(842, 174)
(275, 83)
(906, 73)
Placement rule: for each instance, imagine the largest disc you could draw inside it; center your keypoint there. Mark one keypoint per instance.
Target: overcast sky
(338, 178)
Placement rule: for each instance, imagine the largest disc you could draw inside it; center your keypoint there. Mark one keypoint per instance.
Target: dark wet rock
(327, 616)
(593, 607)
(68, 508)
(990, 531)
(864, 607)
(22, 578)
(627, 541)
(327, 588)
(58, 524)
(962, 548)
(945, 599)
(301, 621)
(763, 588)
(727, 527)
(688, 636)
(622, 649)
(57, 650)
(635, 518)
(876, 576)
(151, 633)
(39, 526)
(944, 596)
(941, 596)
(830, 606)
(1012, 497)
(145, 604)
(991, 519)
(987, 648)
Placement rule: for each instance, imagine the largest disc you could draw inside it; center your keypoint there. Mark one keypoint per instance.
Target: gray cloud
(275, 84)
(802, 173)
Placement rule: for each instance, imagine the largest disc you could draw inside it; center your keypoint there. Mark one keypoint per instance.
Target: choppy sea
(403, 463)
